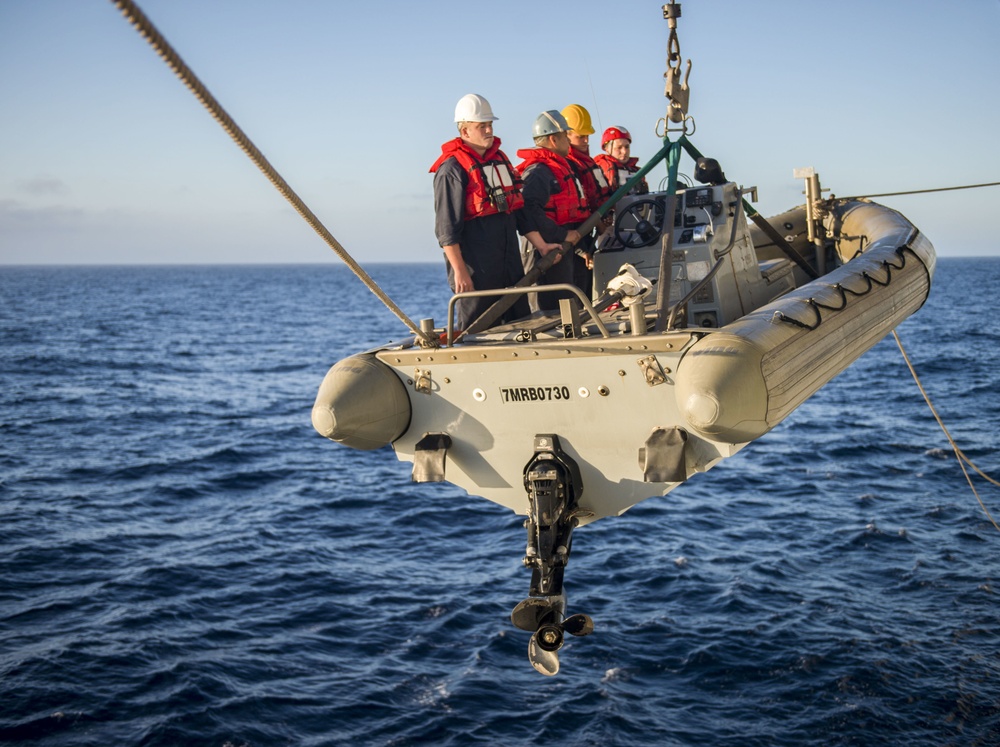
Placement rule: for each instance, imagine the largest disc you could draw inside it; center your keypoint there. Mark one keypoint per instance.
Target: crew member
(476, 194)
(618, 166)
(594, 183)
(554, 201)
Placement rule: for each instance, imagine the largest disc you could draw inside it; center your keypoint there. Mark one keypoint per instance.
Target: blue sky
(106, 158)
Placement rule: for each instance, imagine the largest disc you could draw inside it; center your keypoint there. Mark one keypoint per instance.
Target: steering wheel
(640, 224)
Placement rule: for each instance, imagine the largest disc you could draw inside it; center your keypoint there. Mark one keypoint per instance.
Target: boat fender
(361, 403)
(721, 391)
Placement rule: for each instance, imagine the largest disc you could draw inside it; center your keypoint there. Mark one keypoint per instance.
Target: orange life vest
(494, 186)
(569, 205)
(591, 176)
(617, 173)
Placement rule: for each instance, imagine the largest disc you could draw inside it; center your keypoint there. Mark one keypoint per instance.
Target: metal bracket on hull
(662, 457)
(552, 479)
(569, 316)
(429, 457)
(652, 371)
(422, 381)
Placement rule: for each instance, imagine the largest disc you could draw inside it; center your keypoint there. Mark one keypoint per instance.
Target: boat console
(714, 268)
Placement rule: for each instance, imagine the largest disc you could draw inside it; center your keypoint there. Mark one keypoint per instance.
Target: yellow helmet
(578, 119)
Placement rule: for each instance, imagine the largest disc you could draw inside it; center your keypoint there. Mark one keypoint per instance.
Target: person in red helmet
(616, 162)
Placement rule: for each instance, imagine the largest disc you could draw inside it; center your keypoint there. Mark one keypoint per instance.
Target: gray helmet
(549, 123)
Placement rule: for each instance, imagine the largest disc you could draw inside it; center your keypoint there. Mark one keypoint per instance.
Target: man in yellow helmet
(594, 184)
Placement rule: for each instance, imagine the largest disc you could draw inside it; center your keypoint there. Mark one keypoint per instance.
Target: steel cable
(922, 191)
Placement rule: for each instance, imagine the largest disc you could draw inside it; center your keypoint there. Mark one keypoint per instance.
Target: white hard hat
(473, 108)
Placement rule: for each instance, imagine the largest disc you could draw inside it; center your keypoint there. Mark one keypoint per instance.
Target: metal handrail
(587, 305)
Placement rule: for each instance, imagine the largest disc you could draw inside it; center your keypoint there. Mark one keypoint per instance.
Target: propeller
(578, 624)
(529, 614)
(544, 661)
(542, 615)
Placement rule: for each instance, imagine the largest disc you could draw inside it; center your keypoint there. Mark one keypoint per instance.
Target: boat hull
(639, 413)
(594, 393)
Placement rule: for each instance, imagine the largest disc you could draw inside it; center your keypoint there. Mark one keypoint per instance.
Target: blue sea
(184, 561)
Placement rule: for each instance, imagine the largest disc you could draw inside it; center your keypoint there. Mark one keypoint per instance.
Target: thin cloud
(43, 186)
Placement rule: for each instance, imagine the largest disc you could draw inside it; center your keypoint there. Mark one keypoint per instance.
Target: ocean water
(184, 561)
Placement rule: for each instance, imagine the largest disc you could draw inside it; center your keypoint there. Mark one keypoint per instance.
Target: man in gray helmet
(554, 202)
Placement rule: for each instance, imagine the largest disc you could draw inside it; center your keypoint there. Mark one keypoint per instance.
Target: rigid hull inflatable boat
(571, 418)
(641, 411)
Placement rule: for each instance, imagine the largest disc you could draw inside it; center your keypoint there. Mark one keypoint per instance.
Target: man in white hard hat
(554, 201)
(477, 199)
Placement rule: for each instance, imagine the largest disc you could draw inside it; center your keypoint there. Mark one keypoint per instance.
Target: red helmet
(615, 133)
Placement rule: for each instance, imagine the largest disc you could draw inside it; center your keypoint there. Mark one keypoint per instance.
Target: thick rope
(962, 458)
(144, 26)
